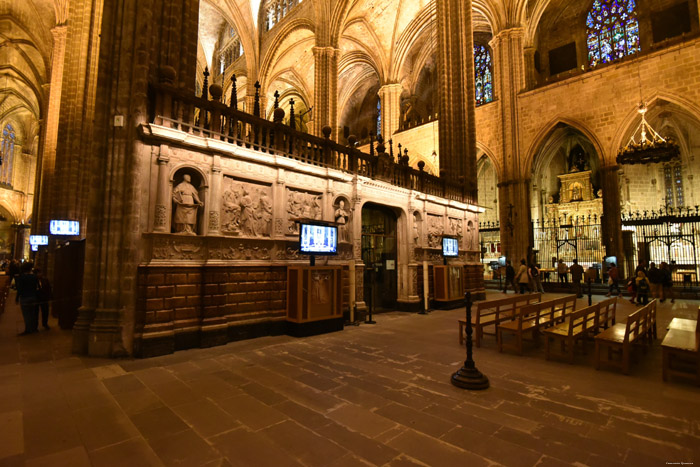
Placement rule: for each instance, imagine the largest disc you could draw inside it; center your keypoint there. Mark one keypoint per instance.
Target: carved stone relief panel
(246, 208)
(302, 205)
(435, 230)
(456, 227)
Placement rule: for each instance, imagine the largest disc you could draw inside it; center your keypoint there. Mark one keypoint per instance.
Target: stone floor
(370, 395)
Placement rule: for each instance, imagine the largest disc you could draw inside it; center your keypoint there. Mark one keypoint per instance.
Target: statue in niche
(416, 228)
(341, 218)
(578, 159)
(471, 236)
(576, 192)
(186, 199)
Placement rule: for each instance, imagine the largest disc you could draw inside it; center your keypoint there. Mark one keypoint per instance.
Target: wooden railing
(178, 109)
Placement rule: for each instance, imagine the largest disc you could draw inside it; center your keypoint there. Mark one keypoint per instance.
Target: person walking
(510, 278)
(642, 288)
(522, 277)
(44, 297)
(535, 277)
(27, 297)
(576, 277)
(562, 270)
(613, 280)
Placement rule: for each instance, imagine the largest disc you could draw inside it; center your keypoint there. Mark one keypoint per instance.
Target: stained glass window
(673, 181)
(379, 116)
(613, 31)
(7, 150)
(483, 74)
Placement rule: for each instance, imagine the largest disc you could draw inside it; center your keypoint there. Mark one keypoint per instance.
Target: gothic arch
(419, 26)
(382, 63)
(542, 137)
(487, 152)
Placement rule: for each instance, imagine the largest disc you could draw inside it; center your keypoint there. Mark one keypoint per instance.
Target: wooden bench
(531, 318)
(621, 337)
(680, 351)
(606, 315)
(577, 326)
(493, 312)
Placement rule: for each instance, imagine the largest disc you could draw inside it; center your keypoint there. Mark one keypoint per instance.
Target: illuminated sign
(36, 240)
(63, 227)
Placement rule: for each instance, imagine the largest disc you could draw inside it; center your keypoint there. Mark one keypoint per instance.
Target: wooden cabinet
(314, 295)
(448, 283)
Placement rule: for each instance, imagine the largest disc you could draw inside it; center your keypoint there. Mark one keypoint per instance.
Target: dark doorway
(379, 255)
(68, 282)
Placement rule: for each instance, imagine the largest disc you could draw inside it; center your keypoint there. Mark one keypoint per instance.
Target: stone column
(214, 205)
(325, 89)
(513, 189)
(456, 91)
(611, 222)
(390, 97)
(161, 219)
(516, 222)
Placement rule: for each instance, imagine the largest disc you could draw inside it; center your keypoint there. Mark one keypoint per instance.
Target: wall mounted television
(38, 240)
(318, 239)
(450, 247)
(64, 227)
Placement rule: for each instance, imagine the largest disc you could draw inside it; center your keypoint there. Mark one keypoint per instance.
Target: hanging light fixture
(650, 148)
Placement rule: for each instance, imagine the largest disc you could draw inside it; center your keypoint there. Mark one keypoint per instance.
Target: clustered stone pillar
(513, 189)
(390, 98)
(456, 91)
(612, 222)
(325, 111)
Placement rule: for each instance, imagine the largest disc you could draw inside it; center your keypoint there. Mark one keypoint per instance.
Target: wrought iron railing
(178, 109)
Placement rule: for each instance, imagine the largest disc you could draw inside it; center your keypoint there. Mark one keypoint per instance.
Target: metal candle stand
(468, 377)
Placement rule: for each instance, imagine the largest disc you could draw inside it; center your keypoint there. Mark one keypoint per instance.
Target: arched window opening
(276, 10)
(613, 31)
(7, 151)
(483, 73)
(379, 116)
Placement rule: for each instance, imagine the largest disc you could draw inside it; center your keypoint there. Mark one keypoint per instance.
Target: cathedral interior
(160, 159)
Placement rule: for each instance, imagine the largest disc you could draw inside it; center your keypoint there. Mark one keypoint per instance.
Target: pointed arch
(270, 58)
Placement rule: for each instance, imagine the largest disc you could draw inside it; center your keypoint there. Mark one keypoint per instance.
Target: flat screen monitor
(35, 247)
(450, 247)
(502, 261)
(318, 239)
(64, 227)
(38, 240)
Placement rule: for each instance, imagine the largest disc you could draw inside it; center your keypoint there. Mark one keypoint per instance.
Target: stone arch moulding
(234, 16)
(421, 24)
(631, 120)
(179, 167)
(546, 131)
(268, 61)
(485, 151)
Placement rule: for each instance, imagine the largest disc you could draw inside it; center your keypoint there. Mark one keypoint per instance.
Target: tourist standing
(522, 277)
(562, 270)
(667, 282)
(44, 297)
(27, 297)
(655, 278)
(576, 277)
(642, 288)
(510, 278)
(534, 272)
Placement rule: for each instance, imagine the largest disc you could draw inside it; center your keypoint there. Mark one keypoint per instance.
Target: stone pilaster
(516, 222)
(214, 205)
(456, 90)
(161, 219)
(325, 89)
(390, 97)
(611, 222)
(530, 80)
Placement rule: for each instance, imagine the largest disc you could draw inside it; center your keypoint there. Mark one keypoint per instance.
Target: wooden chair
(620, 337)
(576, 327)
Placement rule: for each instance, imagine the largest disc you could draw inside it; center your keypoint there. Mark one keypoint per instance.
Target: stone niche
(246, 208)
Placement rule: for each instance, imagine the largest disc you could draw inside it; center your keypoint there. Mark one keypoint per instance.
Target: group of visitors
(655, 281)
(33, 296)
(528, 278)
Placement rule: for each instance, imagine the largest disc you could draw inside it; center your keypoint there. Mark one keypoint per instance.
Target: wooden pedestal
(448, 286)
(314, 300)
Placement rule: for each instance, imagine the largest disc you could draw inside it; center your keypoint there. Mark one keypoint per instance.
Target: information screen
(63, 227)
(450, 247)
(315, 239)
(38, 239)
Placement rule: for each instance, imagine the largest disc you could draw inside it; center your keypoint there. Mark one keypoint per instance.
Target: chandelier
(651, 148)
